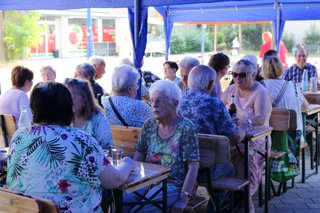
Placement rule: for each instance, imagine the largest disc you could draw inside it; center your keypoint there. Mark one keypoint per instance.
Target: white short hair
(126, 61)
(252, 58)
(200, 77)
(123, 77)
(169, 89)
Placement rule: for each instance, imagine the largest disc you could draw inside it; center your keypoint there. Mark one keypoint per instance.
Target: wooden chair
(8, 128)
(15, 202)
(281, 120)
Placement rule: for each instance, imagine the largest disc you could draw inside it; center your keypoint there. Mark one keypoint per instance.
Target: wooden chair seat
(230, 183)
(195, 202)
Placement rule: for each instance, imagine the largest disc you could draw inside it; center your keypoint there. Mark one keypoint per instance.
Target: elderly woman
(57, 162)
(220, 63)
(171, 140)
(272, 70)
(186, 64)
(253, 107)
(48, 74)
(122, 108)
(13, 99)
(87, 71)
(88, 116)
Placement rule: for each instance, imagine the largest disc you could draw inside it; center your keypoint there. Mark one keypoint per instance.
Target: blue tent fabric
(140, 46)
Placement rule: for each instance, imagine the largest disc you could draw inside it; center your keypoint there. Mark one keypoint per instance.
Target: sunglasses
(241, 75)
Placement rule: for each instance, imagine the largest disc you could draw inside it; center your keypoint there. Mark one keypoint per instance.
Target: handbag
(278, 98)
(287, 166)
(117, 113)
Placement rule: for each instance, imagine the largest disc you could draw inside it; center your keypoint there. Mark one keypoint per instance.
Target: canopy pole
(215, 38)
(277, 27)
(136, 21)
(89, 33)
(203, 28)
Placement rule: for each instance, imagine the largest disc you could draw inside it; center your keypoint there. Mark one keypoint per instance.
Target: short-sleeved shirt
(208, 113)
(294, 73)
(99, 128)
(58, 163)
(134, 112)
(173, 152)
(97, 89)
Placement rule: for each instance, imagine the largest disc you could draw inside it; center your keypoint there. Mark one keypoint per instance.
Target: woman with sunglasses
(88, 114)
(254, 108)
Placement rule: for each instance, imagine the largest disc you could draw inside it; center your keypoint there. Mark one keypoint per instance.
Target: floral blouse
(208, 113)
(58, 163)
(182, 146)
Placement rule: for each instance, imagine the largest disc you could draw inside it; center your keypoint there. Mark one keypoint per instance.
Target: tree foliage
(312, 35)
(21, 31)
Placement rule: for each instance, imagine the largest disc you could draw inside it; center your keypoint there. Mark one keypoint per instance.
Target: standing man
(267, 41)
(186, 64)
(99, 65)
(294, 73)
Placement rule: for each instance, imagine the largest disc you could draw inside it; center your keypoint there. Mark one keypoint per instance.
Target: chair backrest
(312, 98)
(8, 128)
(213, 148)
(283, 119)
(14, 202)
(126, 136)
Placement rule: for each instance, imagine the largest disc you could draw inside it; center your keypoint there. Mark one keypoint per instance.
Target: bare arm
(262, 108)
(112, 177)
(188, 185)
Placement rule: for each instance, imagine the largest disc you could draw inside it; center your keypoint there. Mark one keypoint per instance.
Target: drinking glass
(117, 152)
(108, 155)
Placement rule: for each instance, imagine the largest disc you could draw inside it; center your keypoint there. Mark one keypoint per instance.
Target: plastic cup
(108, 155)
(117, 153)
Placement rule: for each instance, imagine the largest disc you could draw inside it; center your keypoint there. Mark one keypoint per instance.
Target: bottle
(305, 81)
(233, 108)
(24, 120)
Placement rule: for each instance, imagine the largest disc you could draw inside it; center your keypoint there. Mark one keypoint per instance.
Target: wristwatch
(187, 194)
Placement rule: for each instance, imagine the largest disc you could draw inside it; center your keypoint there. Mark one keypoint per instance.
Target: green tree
(312, 35)
(21, 31)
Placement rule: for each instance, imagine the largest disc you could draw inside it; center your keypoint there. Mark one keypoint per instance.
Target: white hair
(123, 77)
(126, 61)
(97, 60)
(252, 58)
(200, 77)
(187, 63)
(169, 89)
(246, 66)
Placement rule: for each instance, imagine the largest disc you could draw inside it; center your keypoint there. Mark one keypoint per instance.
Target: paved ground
(303, 198)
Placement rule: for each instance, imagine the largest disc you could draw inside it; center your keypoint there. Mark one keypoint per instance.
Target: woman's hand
(178, 206)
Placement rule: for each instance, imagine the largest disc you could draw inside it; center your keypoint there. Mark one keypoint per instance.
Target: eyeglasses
(241, 75)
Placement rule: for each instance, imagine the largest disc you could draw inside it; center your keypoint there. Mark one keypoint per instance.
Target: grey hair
(44, 68)
(126, 61)
(169, 89)
(123, 77)
(245, 65)
(88, 71)
(187, 63)
(96, 60)
(200, 77)
(252, 58)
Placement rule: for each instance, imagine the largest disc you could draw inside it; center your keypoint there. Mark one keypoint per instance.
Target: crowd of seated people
(68, 120)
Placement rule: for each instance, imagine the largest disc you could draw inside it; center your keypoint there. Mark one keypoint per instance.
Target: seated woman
(272, 70)
(170, 69)
(88, 116)
(48, 74)
(57, 162)
(171, 140)
(122, 108)
(13, 99)
(253, 107)
(220, 63)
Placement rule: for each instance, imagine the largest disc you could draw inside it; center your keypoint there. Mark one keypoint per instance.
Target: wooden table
(310, 118)
(143, 175)
(258, 132)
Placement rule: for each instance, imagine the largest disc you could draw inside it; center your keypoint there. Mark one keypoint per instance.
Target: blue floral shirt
(208, 113)
(294, 73)
(58, 163)
(173, 152)
(134, 112)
